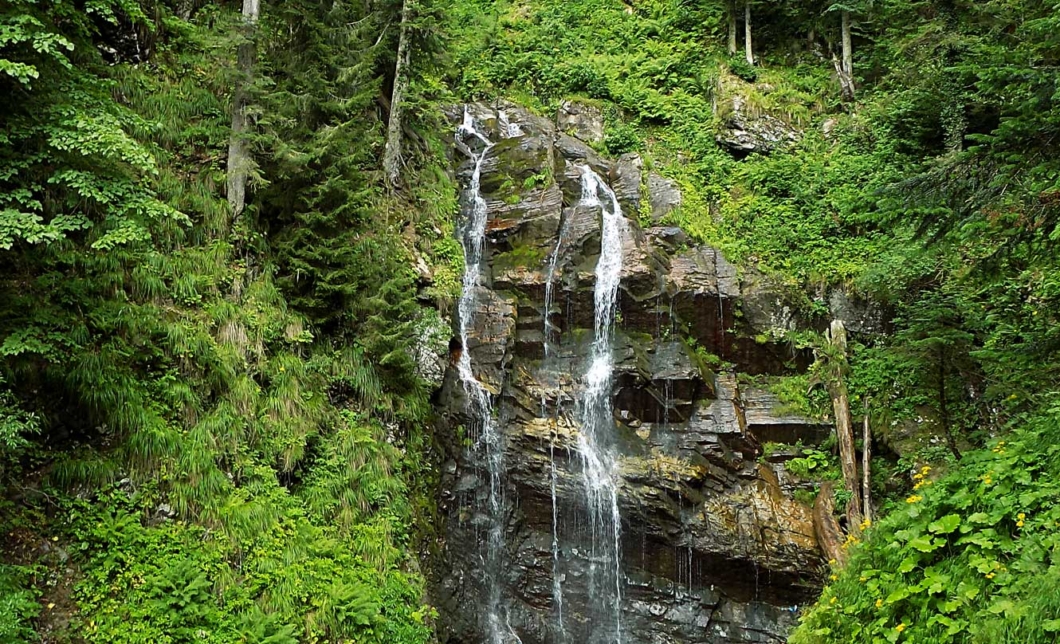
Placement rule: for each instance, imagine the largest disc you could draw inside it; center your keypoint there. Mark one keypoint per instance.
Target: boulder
(581, 119)
(745, 130)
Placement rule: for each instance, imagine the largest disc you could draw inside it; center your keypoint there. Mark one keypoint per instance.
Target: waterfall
(511, 130)
(548, 330)
(549, 288)
(557, 584)
(599, 463)
(479, 399)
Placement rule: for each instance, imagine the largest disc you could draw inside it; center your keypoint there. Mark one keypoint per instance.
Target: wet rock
(625, 180)
(714, 549)
(571, 155)
(430, 350)
(668, 238)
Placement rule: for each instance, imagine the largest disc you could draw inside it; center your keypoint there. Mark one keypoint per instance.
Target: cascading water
(479, 399)
(548, 330)
(599, 464)
(510, 129)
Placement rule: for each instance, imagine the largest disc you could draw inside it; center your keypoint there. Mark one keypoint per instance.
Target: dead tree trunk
(844, 430)
(238, 149)
(846, 84)
(866, 456)
(747, 32)
(829, 536)
(392, 152)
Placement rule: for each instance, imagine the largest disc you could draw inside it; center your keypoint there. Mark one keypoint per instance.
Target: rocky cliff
(713, 546)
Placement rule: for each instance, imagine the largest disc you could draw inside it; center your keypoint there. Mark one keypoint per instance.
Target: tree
(731, 19)
(866, 465)
(941, 348)
(748, 52)
(834, 359)
(238, 149)
(844, 66)
(392, 153)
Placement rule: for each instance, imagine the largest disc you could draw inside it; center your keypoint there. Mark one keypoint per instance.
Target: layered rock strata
(713, 548)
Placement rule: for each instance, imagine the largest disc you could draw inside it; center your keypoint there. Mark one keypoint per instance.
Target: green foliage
(966, 558)
(797, 396)
(739, 67)
(69, 162)
(227, 374)
(259, 380)
(171, 581)
(17, 426)
(815, 464)
(18, 605)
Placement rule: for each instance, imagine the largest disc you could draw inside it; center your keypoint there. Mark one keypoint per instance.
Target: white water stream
(479, 399)
(595, 440)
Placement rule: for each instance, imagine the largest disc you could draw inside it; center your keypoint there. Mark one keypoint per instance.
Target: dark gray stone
(663, 196)
(714, 549)
(581, 119)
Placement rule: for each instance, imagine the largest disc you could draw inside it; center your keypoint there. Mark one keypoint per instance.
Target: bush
(18, 605)
(971, 557)
(740, 68)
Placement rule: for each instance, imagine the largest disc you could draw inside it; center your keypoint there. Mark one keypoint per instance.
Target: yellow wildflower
(865, 524)
(833, 600)
(914, 498)
(879, 603)
(1019, 524)
(900, 627)
(989, 575)
(1021, 516)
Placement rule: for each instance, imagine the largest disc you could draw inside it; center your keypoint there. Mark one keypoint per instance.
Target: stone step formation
(602, 483)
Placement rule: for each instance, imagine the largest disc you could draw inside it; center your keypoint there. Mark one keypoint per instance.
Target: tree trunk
(392, 153)
(829, 536)
(866, 456)
(848, 51)
(944, 408)
(732, 28)
(747, 32)
(844, 430)
(238, 150)
(846, 84)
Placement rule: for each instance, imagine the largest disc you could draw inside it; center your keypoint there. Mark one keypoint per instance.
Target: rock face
(745, 129)
(663, 196)
(581, 119)
(714, 550)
